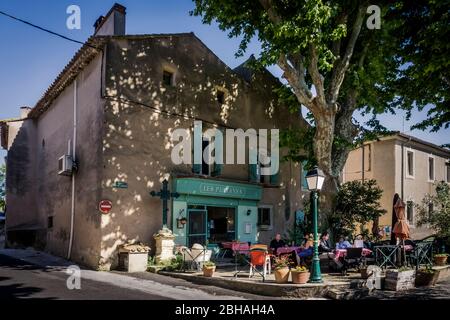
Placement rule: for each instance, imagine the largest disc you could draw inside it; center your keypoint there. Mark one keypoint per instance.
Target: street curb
(262, 288)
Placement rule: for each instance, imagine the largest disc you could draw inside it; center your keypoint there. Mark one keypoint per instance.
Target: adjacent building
(400, 164)
(112, 111)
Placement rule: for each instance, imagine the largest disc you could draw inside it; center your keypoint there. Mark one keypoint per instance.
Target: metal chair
(421, 254)
(386, 255)
(352, 258)
(259, 257)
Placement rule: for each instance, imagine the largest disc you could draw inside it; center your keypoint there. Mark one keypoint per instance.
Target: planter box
(133, 261)
(426, 279)
(398, 281)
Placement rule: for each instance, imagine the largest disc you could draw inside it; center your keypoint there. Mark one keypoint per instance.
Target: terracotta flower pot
(440, 260)
(282, 275)
(209, 271)
(300, 277)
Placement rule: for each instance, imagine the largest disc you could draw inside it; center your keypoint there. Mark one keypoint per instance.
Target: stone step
(347, 294)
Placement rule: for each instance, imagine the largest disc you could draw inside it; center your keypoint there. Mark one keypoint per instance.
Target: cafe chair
(353, 258)
(259, 257)
(196, 256)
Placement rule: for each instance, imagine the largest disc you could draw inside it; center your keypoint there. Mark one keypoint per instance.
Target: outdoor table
(341, 253)
(282, 250)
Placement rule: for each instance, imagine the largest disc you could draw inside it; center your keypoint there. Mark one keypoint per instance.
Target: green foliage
(209, 264)
(2, 187)
(439, 217)
(356, 203)
(424, 78)
(402, 65)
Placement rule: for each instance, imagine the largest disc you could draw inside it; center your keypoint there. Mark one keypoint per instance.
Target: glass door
(197, 226)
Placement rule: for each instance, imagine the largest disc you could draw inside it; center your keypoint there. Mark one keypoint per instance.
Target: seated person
(306, 250)
(324, 244)
(308, 241)
(343, 243)
(276, 243)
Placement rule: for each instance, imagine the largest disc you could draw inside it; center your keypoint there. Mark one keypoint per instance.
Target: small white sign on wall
(248, 228)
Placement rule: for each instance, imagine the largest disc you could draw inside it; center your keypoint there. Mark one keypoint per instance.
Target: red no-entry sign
(105, 206)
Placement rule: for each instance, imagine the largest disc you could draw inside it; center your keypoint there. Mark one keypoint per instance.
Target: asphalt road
(22, 280)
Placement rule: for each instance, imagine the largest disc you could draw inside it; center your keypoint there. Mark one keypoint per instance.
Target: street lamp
(315, 179)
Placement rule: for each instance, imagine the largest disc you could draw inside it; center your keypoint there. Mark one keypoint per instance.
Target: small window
(220, 97)
(430, 209)
(447, 165)
(410, 163)
(431, 168)
(410, 211)
(49, 222)
(265, 218)
(167, 78)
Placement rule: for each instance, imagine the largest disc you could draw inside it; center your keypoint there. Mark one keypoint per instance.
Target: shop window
(265, 218)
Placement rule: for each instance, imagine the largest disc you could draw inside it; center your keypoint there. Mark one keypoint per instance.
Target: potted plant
(440, 259)
(400, 279)
(426, 277)
(209, 268)
(281, 269)
(300, 275)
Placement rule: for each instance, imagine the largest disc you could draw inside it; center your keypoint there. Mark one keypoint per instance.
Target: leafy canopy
(434, 210)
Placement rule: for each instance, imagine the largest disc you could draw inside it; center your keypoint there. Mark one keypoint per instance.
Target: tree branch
(342, 64)
(316, 77)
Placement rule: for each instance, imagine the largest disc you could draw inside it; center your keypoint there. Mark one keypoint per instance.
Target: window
(265, 217)
(447, 165)
(410, 211)
(205, 165)
(410, 163)
(430, 209)
(168, 78)
(220, 97)
(430, 168)
(49, 222)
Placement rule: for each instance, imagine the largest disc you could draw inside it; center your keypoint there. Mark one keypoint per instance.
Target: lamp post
(315, 179)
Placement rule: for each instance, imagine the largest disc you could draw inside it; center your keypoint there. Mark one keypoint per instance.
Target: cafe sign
(215, 188)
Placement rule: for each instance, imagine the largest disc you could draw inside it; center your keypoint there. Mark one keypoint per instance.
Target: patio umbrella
(401, 228)
(394, 218)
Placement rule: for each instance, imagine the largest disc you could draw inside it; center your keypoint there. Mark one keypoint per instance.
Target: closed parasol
(401, 228)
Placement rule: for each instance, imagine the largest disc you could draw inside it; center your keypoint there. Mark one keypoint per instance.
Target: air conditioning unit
(65, 165)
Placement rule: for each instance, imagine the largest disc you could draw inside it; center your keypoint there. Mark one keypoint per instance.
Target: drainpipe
(72, 211)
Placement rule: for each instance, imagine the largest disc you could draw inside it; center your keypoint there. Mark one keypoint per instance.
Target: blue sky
(31, 59)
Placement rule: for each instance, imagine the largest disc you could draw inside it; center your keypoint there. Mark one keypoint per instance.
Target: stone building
(400, 164)
(113, 109)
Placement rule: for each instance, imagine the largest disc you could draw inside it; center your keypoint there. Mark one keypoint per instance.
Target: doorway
(211, 225)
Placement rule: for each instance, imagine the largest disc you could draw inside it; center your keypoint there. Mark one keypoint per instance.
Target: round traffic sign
(105, 206)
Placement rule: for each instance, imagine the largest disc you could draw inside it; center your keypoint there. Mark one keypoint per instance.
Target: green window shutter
(217, 170)
(218, 151)
(303, 177)
(253, 172)
(274, 179)
(197, 168)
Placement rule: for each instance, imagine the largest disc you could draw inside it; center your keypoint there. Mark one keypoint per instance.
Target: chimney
(24, 111)
(113, 24)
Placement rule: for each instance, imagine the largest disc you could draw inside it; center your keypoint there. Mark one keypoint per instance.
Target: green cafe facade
(212, 211)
